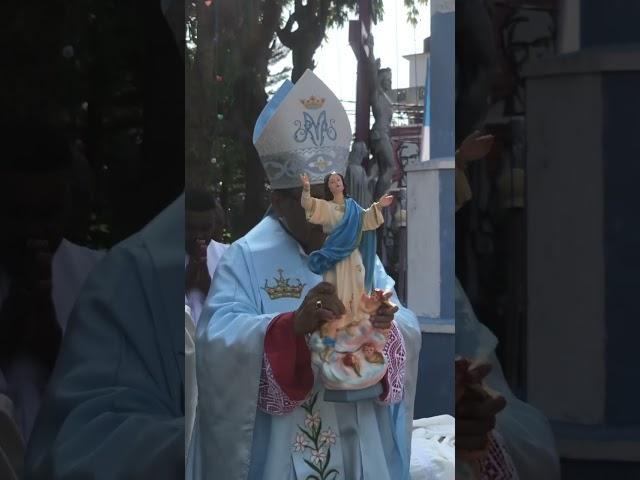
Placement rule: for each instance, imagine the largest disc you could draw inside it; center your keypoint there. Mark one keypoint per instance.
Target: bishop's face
(286, 204)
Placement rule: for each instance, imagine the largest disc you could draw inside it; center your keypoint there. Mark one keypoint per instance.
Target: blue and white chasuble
(233, 438)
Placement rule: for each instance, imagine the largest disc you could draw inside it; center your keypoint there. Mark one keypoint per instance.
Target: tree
(311, 20)
(97, 69)
(314, 17)
(244, 42)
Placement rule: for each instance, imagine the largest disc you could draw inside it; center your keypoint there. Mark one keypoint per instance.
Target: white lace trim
(396, 371)
(497, 465)
(271, 398)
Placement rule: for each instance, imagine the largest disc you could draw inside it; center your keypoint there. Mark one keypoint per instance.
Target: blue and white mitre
(303, 129)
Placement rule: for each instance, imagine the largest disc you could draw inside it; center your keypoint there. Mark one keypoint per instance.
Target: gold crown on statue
(313, 102)
(282, 289)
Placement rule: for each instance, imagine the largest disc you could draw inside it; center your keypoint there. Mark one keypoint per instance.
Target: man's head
(286, 205)
(35, 186)
(200, 219)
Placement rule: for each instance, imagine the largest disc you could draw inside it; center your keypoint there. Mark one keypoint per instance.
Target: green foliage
(415, 9)
(245, 44)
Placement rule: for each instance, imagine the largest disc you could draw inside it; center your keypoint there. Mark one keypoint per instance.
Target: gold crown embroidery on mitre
(313, 102)
(282, 289)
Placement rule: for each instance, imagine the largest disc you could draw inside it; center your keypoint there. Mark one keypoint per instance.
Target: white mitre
(303, 129)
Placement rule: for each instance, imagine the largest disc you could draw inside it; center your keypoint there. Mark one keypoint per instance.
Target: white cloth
(25, 380)
(195, 299)
(215, 251)
(433, 449)
(193, 307)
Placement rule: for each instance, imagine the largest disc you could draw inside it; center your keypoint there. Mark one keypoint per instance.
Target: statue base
(349, 396)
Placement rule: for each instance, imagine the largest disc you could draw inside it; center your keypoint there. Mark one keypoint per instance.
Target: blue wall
(442, 86)
(434, 394)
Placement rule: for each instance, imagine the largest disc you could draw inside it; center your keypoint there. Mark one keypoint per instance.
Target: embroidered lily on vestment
(317, 441)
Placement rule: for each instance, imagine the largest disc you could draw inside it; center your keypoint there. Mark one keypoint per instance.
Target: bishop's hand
(383, 318)
(306, 184)
(319, 306)
(476, 407)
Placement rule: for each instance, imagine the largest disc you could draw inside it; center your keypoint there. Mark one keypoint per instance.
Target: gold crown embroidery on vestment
(282, 288)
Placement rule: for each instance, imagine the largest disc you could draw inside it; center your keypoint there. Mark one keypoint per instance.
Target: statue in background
(356, 178)
(382, 108)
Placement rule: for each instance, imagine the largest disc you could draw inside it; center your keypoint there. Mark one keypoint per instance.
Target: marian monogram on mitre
(316, 129)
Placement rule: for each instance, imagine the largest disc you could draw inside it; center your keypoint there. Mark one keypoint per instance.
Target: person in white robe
(261, 410)
(202, 255)
(202, 252)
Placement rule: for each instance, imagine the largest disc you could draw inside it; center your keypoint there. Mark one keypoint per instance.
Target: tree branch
(286, 34)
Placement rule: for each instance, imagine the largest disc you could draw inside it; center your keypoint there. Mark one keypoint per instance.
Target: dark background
(109, 74)
(534, 198)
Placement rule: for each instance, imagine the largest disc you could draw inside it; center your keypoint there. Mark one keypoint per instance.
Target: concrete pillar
(430, 223)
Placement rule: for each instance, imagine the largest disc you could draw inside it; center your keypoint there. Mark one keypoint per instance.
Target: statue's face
(335, 184)
(385, 81)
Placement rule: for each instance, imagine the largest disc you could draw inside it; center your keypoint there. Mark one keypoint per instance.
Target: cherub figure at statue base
(348, 352)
